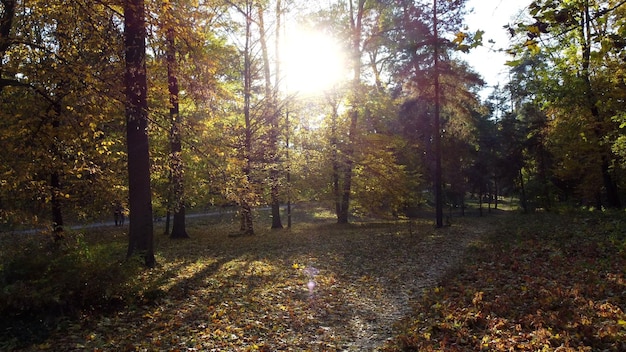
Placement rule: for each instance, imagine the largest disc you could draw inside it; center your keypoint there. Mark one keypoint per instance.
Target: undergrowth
(44, 282)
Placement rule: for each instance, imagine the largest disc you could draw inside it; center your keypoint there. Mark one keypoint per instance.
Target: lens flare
(311, 286)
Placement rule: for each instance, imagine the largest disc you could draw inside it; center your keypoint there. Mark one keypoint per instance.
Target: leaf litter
(546, 282)
(318, 287)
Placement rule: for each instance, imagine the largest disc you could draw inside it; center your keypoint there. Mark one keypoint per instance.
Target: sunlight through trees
(384, 116)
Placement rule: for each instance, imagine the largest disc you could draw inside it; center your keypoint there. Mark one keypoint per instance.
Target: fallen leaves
(543, 283)
(319, 288)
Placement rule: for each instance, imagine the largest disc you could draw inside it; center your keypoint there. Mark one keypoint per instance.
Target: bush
(43, 281)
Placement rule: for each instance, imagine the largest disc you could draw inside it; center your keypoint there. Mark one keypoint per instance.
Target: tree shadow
(316, 284)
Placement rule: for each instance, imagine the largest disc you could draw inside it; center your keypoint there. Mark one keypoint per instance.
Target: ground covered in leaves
(501, 282)
(317, 286)
(542, 282)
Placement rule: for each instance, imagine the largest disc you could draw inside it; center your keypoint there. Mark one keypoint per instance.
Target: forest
(264, 203)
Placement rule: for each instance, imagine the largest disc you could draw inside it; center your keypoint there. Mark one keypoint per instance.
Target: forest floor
(370, 285)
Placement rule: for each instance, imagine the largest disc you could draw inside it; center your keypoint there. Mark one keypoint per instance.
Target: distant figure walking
(118, 214)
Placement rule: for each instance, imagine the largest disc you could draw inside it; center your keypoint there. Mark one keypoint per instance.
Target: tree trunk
(542, 170)
(57, 214)
(140, 239)
(245, 207)
(610, 185)
(272, 115)
(523, 199)
(495, 193)
(58, 95)
(6, 23)
(335, 162)
(436, 126)
(247, 225)
(55, 175)
(288, 169)
(275, 190)
(176, 161)
(349, 163)
(279, 28)
(357, 27)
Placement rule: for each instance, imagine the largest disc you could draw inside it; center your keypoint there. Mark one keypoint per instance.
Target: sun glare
(313, 61)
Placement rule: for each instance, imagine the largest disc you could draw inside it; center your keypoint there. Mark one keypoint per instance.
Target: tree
(437, 122)
(524, 135)
(60, 83)
(381, 182)
(428, 75)
(6, 23)
(139, 193)
(245, 199)
(271, 111)
(357, 11)
(176, 161)
(256, 148)
(344, 159)
(578, 41)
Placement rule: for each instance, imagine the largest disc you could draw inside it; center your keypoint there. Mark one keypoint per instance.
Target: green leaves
(565, 62)
(467, 41)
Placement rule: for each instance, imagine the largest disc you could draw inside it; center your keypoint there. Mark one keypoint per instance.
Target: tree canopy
(404, 128)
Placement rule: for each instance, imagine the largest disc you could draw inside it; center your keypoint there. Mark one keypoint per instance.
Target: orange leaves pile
(543, 282)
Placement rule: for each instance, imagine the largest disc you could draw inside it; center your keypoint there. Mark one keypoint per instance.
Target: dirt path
(386, 288)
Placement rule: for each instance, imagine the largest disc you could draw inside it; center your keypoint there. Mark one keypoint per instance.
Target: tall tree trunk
(140, 239)
(356, 19)
(6, 23)
(344, 210)
(287, 156)
(335, 162)
(277, 72)
(57, 213)
(543, 174)
(495, 192)
(523, 199)
(60, 91)
(272, 115)
(176, 161)
(436, 125)
(246, 209)
(610, 185)
(55, 182)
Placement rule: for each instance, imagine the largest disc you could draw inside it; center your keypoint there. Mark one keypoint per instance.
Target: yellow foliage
(459, 37)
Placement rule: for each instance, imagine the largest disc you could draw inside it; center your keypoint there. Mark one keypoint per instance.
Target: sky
(490, 16)
(315, 64)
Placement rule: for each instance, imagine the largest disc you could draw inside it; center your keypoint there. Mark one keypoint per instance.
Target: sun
(314, 62)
